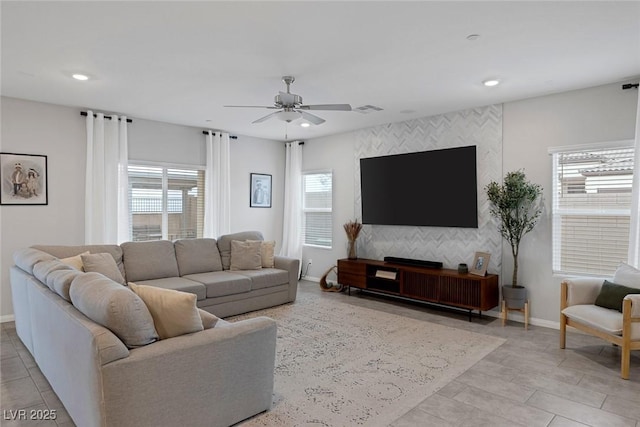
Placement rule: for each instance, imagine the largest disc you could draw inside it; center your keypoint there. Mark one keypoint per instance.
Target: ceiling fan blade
(311, 118)
(327, 107)
(267, 117)
(287, 98)
(252, 106)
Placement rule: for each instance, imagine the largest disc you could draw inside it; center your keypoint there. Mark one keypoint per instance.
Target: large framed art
(24, 179)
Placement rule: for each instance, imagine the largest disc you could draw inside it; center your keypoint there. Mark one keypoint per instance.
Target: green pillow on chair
(612, 294)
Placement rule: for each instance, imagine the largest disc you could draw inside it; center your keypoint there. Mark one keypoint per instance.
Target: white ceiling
(180, 62)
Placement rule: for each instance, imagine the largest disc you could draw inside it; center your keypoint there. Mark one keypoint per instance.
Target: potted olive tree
(516, 204)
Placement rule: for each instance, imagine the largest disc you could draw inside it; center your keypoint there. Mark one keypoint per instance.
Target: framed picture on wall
(24, 179)
(260, 192)
(480, 263)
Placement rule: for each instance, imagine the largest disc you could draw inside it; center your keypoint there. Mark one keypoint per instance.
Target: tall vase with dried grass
(352, 228)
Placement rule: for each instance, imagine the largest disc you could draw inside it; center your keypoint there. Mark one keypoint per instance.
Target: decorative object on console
(331, 286)
(517, 205)
(480, 263)
(24, 179)
(352, 228)
(260, 195)
(463, 268)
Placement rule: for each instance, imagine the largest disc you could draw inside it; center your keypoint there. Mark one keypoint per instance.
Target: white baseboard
(311, 279)
(7, 318)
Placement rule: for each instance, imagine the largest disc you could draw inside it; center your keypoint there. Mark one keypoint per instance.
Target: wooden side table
(505, 312)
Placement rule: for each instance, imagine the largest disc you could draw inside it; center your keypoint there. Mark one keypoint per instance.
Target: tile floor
(527, 381)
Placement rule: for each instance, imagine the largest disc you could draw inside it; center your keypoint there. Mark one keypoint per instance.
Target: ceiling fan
(291, 107)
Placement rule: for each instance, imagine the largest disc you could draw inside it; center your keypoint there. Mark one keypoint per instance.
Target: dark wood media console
(433, 285)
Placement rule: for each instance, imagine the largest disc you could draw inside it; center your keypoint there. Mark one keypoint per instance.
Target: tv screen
(428, 188)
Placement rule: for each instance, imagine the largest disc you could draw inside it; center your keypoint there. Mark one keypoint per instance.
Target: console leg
(470, 314)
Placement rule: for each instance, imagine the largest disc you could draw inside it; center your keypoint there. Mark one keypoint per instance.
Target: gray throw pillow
(115, 307)
(104, 264)
(246, 255)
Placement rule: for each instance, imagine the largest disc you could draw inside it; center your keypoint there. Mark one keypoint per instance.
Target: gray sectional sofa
(214, 377)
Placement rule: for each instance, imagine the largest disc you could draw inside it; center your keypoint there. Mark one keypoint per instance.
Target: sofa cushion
(221, 283)
(246, 255)
(104, 264)
(604, 319)
(266, 277)
(149, 260)
(115, 307)
(627, 275)
(197, 256)
(174, 313)
(27, 258)
(612, 294)
(65, 251)
(179, 284)
(59, 281)
(224, 244)
(43, 268)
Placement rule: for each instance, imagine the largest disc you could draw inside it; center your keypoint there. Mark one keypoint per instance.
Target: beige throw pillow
(75, 261)
(267, 252)
(246, 255)
(174, 313)
(208, 320)
(104, 264)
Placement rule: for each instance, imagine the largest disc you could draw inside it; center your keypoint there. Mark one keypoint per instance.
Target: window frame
(558, 213)
(306, 210)
(165, 166)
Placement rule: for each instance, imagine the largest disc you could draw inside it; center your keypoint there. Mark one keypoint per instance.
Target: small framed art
(480, 263)
(24, 179)
(260, 192)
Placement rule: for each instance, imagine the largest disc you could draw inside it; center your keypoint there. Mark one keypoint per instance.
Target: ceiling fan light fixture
(81, 77)
(288, 116)
(305, 124)
(491, 82)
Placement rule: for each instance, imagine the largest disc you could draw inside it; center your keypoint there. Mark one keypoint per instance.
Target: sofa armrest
(216, 377)
(292, 265)
(581, 290)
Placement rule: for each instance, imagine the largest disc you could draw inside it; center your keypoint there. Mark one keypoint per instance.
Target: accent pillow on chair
(612, 294)
(627, 275)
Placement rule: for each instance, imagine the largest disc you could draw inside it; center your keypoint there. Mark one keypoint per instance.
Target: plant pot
(514, 297)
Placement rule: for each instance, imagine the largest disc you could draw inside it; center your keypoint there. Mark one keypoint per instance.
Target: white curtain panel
(217, 187)
(292, 226)
(634, 232)
(107, 216)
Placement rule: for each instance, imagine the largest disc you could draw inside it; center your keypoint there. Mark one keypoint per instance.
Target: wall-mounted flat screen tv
(428, 188)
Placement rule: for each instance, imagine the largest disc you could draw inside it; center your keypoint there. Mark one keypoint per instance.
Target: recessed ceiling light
(81, 77)
(491, 82)
(305, 124)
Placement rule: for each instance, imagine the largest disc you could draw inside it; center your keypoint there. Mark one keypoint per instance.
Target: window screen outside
(166, 203)
(317, 196)
(591, 209)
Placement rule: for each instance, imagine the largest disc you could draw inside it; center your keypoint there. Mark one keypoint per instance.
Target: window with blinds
(166, 203)
(591, 209)
(317, 196)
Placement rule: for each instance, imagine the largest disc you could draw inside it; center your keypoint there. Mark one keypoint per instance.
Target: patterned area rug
(340, 365)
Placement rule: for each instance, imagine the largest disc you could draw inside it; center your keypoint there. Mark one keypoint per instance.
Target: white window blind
(166, 203)
(317, 208)
(591, 208)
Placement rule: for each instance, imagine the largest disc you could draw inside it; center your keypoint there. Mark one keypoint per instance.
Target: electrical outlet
(310, 261)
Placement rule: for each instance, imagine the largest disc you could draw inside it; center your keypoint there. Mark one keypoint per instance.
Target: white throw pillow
(174, 312)
(246, 255)
(627, 275)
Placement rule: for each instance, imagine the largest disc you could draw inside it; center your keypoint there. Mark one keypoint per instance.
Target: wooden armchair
(577, 309)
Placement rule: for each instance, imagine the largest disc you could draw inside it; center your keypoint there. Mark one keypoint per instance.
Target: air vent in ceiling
(366, 109)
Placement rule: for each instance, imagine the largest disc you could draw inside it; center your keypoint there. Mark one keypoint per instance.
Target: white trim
(591, 146)
(7, 318)
(166, 165)
(519, 317)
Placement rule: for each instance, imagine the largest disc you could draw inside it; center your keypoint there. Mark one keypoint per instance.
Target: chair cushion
(179, 284)
(224, 244)
(266, 277)
(174, 313)
(197, 256)
(115, 307)
(222, 283)
(246, 255)
(604, 319)
(612, 294)
(149, 260)
(104, 264)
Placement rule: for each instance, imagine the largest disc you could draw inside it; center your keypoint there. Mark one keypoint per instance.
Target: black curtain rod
(630, 86)
(84, 113)
(206, 132)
